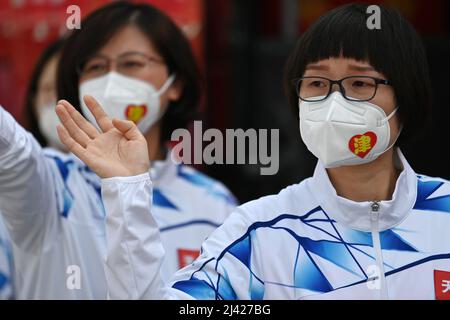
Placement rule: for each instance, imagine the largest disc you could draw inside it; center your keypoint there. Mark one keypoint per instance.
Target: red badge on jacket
(442, 284)
(186, 257)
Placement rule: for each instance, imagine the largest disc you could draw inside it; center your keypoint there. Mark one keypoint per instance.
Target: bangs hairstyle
(169, 41)
(395, 50)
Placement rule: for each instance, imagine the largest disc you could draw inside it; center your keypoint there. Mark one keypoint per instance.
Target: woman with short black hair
(395, 50)
(364, 226)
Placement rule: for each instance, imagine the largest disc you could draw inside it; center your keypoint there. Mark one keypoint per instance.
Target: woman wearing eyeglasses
(138, 64)
(364, 226)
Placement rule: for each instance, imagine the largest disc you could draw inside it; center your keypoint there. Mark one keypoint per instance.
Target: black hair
(29, 117)
(164, 34)
(394, 50)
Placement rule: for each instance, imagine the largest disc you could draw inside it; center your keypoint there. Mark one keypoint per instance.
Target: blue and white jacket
(52, 206)
(304, 243)
(6, 265)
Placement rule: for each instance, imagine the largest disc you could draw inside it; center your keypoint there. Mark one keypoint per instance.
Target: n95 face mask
(341, 132)
(125, 98)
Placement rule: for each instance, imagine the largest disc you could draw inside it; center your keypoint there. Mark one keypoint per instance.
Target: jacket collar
(163, 171)
(356, 215)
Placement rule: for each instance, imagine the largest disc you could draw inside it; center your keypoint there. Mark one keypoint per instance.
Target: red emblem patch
(361, 144)
(186, 257)
(135, 112)
(442, 285)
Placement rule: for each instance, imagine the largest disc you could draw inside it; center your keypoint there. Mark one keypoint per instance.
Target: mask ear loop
(161, 90)
(384, 121)
(166, 85)
(389, 117)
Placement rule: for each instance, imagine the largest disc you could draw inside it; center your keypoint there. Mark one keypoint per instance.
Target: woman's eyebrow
(132, 52)
(317, 67)
(360, 68)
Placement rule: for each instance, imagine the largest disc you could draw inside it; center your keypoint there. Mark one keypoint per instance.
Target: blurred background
(241, 46)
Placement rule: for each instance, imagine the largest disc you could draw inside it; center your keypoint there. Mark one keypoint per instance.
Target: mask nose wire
(110, 84)
(332, 103)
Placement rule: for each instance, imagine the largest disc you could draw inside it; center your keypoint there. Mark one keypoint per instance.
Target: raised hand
(119, 150)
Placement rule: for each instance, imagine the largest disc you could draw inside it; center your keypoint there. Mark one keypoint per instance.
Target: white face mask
(341, 132)
(47, 122)
(125, 98)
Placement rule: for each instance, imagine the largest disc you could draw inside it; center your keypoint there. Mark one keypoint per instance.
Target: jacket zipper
(374, 218)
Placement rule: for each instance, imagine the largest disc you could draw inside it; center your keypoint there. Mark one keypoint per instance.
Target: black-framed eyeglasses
(353, 88)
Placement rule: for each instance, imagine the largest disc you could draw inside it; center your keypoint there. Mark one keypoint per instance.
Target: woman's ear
(175, 90)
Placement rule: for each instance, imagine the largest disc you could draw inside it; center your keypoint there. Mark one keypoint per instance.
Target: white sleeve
(135, 252)
(6, 265)
(27, 186)
(134, 249)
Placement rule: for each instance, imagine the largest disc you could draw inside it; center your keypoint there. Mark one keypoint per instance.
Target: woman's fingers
(81, 122)
(71, 144)
(128, 129)
(72, 128)
(103, 121)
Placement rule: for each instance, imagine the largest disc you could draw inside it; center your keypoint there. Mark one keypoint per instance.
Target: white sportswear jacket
(304, 243)
(52, 208)
(6, 265)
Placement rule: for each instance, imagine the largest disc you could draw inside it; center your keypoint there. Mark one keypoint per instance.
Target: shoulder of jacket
(204, 183)
(425, 178)
(284, 202)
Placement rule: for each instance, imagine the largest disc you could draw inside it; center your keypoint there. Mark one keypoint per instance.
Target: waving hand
(119, 150)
